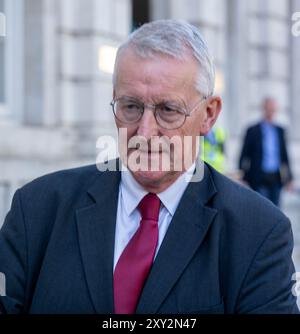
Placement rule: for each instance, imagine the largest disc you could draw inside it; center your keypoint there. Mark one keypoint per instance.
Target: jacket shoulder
(62, 179)
(253, 128)
(245, 207)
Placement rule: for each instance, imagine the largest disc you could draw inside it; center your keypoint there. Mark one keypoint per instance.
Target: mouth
(150, 152)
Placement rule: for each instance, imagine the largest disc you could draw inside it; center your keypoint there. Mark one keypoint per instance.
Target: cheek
(192, 128)
(129, 131)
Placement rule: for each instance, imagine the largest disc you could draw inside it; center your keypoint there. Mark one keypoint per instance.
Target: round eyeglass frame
(154, 107)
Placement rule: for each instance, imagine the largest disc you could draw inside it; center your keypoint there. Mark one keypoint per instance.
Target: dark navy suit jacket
(252, 156)
(227, 250)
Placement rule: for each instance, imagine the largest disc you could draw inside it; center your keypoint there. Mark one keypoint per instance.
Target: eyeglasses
(168, 115)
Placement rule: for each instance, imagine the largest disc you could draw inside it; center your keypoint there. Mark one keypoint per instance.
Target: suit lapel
(96, 232)
(184, 236)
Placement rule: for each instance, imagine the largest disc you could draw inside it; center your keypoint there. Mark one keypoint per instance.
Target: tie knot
(149, 207)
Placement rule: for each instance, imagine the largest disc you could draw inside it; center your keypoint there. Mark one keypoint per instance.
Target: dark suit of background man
(264, 158)
(149, 241)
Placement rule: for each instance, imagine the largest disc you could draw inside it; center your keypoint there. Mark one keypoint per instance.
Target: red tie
(135, 262)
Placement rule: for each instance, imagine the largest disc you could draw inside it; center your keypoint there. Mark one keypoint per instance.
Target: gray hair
(173, 38)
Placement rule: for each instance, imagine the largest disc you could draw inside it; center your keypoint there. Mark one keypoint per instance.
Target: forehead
(157, 75)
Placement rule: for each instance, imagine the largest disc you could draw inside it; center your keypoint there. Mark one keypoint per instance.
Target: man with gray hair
(144, 239)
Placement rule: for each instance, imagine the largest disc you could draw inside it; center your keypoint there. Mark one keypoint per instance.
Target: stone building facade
(55, 75)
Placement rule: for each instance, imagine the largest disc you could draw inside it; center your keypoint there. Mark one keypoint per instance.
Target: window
(140, 12)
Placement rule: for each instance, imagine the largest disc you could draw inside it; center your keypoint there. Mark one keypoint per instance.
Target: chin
(150, 176)
(154, 181)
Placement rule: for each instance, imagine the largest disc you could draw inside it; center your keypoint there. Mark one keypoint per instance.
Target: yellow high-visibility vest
(213, 149)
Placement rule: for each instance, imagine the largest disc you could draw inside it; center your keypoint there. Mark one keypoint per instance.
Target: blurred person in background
(264, 157)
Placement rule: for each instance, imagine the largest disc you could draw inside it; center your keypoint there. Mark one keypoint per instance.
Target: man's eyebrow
(159, 99)
(131, 97)
(168, 99)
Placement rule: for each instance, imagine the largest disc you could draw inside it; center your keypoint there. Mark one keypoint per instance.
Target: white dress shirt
(129, 217)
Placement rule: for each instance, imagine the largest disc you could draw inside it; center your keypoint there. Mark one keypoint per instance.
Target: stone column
(51, 98)
(87, 29)
(210, 17)
(295, 78)
(295, 98)
(41, 95)
(160, 9)
(268, 69)
(33, 62)
(236, 70)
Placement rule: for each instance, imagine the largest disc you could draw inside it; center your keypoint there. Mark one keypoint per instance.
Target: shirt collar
(267, 125)
(132, 192)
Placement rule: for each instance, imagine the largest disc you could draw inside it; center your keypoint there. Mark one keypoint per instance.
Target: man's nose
(148, 126)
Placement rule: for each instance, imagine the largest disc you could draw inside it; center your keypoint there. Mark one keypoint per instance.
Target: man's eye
(170, 109)
(131, 106)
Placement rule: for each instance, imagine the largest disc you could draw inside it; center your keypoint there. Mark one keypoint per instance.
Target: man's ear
(212, 111)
